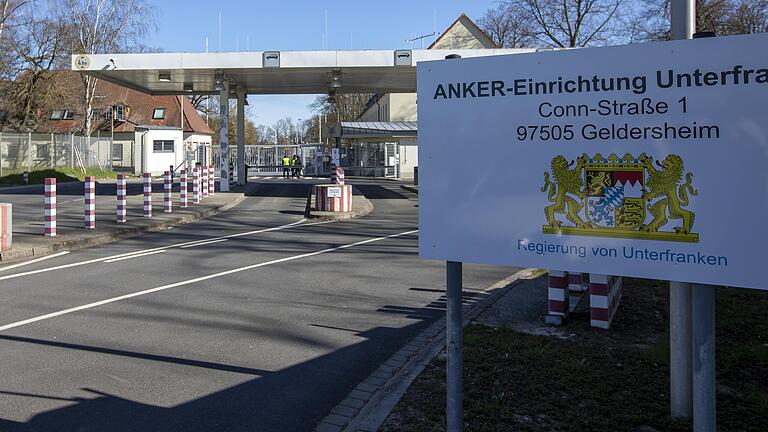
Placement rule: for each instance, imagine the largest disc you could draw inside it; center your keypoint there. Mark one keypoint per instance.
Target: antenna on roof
(421, 38)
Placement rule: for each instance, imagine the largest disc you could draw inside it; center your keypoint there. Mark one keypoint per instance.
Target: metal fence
(33, 151)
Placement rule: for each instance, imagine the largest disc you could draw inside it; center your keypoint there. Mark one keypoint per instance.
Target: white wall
(409, 157)
(158, 162)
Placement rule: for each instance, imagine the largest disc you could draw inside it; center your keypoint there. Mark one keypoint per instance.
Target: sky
(258, 25)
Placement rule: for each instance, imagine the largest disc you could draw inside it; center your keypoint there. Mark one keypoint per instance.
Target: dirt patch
(597, 380)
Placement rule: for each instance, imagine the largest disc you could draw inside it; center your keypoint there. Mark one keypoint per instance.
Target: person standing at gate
(286, 167)
(296, 166)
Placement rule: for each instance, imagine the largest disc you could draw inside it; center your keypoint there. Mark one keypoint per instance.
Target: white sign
(335, 156)
(334, 192)
(645, 160)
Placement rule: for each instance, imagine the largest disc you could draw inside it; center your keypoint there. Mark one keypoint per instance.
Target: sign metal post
(454, 342)
(704, 413)
(682, 26)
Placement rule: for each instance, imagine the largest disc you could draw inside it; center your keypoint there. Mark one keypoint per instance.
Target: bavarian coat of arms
(623, 197)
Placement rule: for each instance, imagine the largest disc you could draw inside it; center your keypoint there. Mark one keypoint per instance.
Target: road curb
(367, 406)
(414, 189)
(73, 244)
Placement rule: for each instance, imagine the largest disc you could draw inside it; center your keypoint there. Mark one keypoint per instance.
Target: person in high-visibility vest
(296, 162)
(286, 167)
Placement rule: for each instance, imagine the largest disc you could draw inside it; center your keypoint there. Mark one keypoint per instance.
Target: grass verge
(593, 380)
(60, 174)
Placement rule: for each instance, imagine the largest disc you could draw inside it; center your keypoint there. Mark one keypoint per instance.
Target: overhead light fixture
(188, 87)
(335, 83)
(218, 85)
(164, 76)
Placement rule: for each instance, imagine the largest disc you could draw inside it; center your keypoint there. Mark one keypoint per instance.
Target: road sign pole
(704, 413)
(682, 26)
(454, 344)
(680, 355)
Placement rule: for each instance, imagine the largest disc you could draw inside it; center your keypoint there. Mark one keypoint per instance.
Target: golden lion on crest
(615, 196)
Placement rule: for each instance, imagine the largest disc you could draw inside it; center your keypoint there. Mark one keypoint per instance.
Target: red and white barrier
(557, 297)
(333, 198)
(604, 298)
(122, 205)
(6, 226)
(196, 185)
(211, 180)
(576, 283)
(147, 194)
(204, 185)
(50, 207)
(183, 189)
(90, 202)
(167, 192)
(339, 176)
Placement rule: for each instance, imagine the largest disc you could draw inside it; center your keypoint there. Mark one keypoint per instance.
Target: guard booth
(378, 149)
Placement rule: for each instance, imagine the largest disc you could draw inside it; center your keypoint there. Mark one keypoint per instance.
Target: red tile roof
(139, 109)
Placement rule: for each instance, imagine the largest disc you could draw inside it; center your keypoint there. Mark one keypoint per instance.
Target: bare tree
(37, 48)
(100, 26)
(508, 26)
(724, 17)
(569, 23)
(341, 107)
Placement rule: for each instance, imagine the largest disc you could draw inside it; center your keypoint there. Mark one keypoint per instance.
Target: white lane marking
(96, 260)
(135, 256)
(203, 243)
(195, 280)
(33, 261)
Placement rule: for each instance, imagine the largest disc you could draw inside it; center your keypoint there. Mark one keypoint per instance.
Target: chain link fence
(33, 151)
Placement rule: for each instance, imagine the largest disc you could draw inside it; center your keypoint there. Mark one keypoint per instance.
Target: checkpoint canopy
(644, 160)
(269, 72)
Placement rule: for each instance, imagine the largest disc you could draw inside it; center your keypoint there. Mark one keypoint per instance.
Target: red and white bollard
(576, 283)
(6, 226)
(196, 185)
(90, 202)
(147, 194)
(557, 298)
(183, 189)
(339, 176)
(167, 193)
(333, 198)
(604, 298)
(122, 208)
(50, 207)
(204, 185)
(211, 180)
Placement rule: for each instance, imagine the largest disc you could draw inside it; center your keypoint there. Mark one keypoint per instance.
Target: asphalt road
(253, 320)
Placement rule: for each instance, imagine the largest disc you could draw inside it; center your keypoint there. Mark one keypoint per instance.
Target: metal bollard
(6, 226)
(183, 189)
(90, 202)
(196, 185)
(147, 194)
(167, 192)
(50, 207)
(121, 199)
(204, 184)
(211, 180)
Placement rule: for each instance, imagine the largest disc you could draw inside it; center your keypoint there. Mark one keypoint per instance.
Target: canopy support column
(242, 177)
(224, 137)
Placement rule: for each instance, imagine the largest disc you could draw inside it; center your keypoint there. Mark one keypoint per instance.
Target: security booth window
(162, 146)
(158, 114)
(117, 152)
(42, 152)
